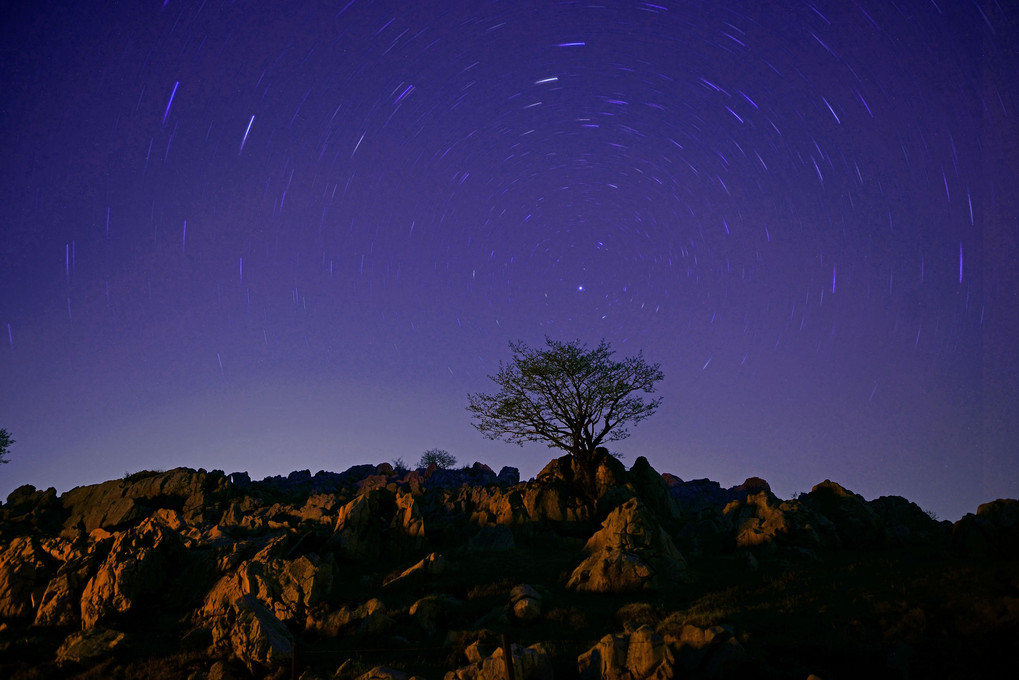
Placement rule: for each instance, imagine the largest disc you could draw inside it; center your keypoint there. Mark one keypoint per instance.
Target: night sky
(295, 235)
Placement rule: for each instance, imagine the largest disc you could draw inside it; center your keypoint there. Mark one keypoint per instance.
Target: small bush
(441, 458)
(141, 474)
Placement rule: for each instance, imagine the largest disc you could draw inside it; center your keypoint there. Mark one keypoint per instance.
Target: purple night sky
(289, 235)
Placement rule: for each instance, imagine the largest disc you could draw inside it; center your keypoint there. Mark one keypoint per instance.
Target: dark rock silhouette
(588, 570)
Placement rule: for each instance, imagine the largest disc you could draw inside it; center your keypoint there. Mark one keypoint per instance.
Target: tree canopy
(441, 458)
(5, 444)
(566, 395)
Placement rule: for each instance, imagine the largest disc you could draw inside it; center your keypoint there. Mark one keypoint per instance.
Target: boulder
(905, 522)
(139, 570)
(509, 476)
(383, 673)
(760, 519)
(856, 523)
(320, 508)
(29, 511)
(708, 652)
(87, 646)
(630, 656)
(431, 611)
(597, 479)
(253, 635)
(992, 532)
(60, 604)
(529, 663)
(652, 489)
(432, 565)
(332, 623)
(25, 569)
(630, 552)
(379, 523)
(289, 588)
(525, 603)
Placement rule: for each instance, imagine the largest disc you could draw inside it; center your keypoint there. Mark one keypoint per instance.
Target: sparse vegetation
(141, 474)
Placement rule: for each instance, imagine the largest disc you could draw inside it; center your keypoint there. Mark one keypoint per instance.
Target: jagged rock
(429, 612)
(630, 552)
(432, 565)
(759, 519)
(383, 673)
(90, 645)
(289, 588)
(992, 532)
(320, 508)
(25, 569)
(858, 526)
(509, 476)
(220, 670)
(695, 496)
(529, 663)
(709, 652)
(60, 604)
(120, 503)
(652, 489)
(905, 522)
(332, 623)
(478, 650)
(597, 478)
(138, 570)
(631, 656)
(379, 522)
(525, 603)
(29, 511)
(253, 635)
(478, 474)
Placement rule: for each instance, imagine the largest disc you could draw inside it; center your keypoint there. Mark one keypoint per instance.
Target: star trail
(295, 235)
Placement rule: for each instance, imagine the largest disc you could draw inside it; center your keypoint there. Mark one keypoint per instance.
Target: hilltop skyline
(297, 236)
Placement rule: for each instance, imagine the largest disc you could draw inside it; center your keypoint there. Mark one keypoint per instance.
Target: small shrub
(132, 477)
(441, 458)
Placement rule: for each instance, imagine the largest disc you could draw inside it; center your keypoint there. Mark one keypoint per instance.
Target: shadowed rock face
(630, 552)
(237, 577)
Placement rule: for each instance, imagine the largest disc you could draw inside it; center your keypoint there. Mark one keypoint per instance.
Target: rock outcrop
(992, 532)
(630, 552)
(197, 574)
(529, 663)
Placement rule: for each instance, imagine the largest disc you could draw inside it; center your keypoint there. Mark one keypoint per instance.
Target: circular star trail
(296, 236)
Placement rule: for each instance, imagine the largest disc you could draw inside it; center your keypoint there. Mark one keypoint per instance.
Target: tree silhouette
(5, 444)
(440, 457)
(566, 395)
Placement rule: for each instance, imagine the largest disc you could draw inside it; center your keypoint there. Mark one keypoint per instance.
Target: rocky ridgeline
(307, 575)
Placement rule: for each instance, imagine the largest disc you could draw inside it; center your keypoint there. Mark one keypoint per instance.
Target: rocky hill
(590, 570)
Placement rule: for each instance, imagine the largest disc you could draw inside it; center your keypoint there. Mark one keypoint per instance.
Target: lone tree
(566, 395)
(440, 457)
(5, 443)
